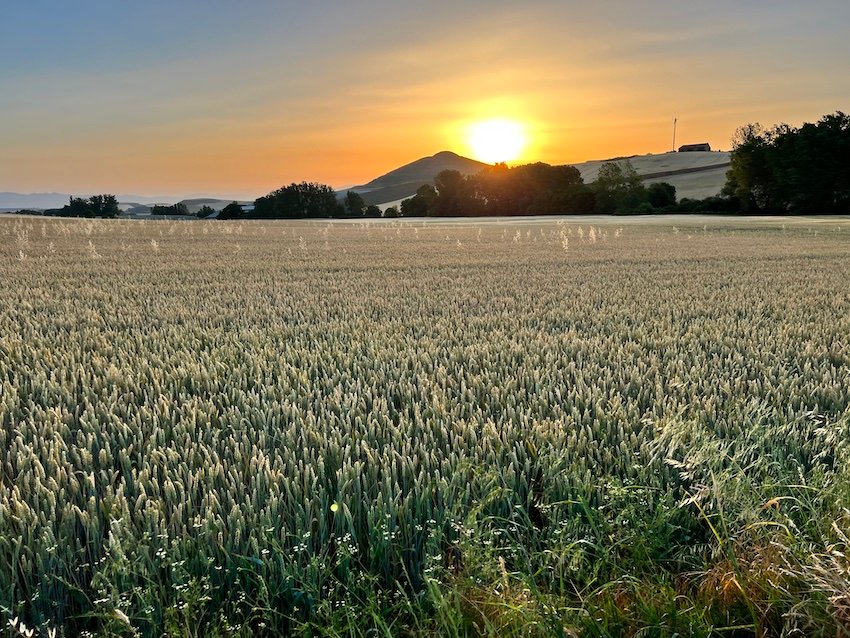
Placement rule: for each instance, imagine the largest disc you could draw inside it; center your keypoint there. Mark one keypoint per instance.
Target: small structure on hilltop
(686, 148)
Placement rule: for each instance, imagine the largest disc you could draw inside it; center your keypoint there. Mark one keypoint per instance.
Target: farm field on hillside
(550, 427)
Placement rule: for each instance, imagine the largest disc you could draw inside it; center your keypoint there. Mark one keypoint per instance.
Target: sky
(237, 98)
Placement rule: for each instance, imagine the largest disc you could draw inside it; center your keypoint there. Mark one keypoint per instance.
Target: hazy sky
(236, 98)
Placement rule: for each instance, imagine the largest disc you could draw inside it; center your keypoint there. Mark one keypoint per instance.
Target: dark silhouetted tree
(94, 206)
(299, 201)
(455, 195)
(421, 204)
(103, 206)
(232, 211)
(532, 189)
(78, 207)
(110, 206)
(793, 170)
(354, 204)
(661, 195)
(750, 177)
(175, 209)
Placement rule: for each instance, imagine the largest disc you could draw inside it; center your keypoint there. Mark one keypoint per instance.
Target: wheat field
(546, 427)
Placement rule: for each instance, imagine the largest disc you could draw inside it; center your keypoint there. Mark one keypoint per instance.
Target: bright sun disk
(497, 140)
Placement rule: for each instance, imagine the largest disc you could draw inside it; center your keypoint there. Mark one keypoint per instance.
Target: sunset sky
(234, 99)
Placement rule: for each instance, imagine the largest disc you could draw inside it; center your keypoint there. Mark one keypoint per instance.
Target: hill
(402, 182)
(694, 174)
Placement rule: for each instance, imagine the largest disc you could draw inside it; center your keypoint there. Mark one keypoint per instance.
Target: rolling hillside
(402, 182)
(695, 174)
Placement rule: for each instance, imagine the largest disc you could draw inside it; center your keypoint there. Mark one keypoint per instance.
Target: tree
(714, 204)
(421, 203)
(299, 201)
(95, 206)
(78, 207)
(532, 189)
(579, 200)
(499, 190)
(110, 206)
(810, 166)
(175, 209)
(204, 212)
(372, 211)
(354, 204)
(550, 190)
(618, 188)
(455, 195)
(232, 211)
(391, 212)
(750, 177)
(103, 206)
(661, 195)
(792, 170)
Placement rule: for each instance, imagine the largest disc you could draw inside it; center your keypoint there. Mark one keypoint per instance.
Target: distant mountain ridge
(132, 204)
(15, 201)
(41, 201)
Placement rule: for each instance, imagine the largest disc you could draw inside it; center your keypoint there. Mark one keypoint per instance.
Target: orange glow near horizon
(346, 94)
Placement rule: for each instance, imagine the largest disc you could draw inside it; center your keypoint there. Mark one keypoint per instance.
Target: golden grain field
(253, 425)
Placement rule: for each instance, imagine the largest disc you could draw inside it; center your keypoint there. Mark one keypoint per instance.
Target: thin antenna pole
(675, 121)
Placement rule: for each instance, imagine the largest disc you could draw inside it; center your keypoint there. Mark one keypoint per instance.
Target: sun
(497, 140)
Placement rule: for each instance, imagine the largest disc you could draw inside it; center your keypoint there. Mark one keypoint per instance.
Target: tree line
(175, 209)
(788, 170)
(532, 189)
(95, 206)
(305, 200)
(538, 189)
